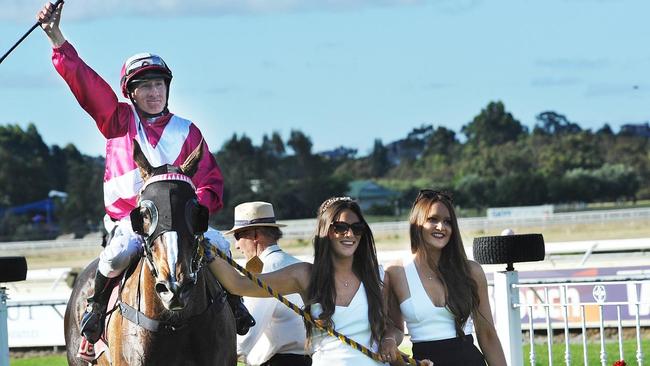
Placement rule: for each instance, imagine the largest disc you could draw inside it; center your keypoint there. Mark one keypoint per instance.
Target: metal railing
(551, 306)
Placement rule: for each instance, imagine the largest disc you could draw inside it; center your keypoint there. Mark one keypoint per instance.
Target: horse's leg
(74, 310)
(215, 330)
(224, 327)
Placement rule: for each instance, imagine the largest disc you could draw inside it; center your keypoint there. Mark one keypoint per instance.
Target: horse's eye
(149, 215)
(146, 214)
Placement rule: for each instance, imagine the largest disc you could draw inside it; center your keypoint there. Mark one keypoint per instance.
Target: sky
(344, 72)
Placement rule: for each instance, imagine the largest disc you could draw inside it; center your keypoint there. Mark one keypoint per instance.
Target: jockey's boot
(243, 319)
(92, 322)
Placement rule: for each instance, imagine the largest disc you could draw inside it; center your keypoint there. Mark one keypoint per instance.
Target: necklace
(346, 283)
(431, 275)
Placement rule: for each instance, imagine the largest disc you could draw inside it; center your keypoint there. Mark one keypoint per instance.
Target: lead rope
(375, 356)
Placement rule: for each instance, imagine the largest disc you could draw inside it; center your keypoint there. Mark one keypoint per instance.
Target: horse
(170, 309)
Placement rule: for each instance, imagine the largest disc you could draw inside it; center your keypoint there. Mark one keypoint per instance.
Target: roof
(364, 189)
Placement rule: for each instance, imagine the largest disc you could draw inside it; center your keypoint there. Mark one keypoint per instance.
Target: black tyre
(509, 249)
(13, 269)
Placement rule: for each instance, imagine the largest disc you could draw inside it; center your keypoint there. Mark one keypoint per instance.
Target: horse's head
(171, 221)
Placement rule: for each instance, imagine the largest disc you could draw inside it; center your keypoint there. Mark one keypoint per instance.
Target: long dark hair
(322, 288)
(461, 293)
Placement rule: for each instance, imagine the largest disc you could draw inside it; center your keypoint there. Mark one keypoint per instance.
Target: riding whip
(308, 317)
(26, 34)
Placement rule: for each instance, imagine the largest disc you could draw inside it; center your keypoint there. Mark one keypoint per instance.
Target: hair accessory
(330, 201)
(432, 193)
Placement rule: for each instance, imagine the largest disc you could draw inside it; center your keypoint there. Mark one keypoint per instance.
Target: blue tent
(46, 206)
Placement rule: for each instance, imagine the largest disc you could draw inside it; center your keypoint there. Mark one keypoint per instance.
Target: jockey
(164, 138)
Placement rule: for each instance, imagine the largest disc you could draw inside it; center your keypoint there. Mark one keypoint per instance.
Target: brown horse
(170, 309)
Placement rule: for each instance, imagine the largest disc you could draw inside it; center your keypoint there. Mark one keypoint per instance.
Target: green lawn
(40, 361)
(593, 353)
(48, 360)
(629, 350)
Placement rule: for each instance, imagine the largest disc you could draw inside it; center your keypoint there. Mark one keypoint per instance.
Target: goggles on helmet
(142, 62)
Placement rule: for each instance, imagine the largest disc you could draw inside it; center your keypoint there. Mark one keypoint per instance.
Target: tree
(379, 163)
(475, 191)
(606, 130)
(273, 146)
(552, 123)
(442, 142)
(300, 144)
(493, 126)
(24, 161)
(84, 206)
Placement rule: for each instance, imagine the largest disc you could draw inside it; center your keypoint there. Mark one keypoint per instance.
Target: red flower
(619, 363)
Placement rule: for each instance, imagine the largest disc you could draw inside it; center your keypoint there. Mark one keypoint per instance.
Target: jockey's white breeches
(125, 246)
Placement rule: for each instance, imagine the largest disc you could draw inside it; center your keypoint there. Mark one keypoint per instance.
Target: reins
(137, 317)
(359, 347)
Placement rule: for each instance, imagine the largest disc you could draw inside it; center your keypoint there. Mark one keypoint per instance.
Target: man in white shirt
(278, 337)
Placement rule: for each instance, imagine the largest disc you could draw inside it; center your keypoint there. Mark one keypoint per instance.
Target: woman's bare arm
(288, 280)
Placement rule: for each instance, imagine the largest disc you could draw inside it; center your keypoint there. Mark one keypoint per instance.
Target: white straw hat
(252, 214)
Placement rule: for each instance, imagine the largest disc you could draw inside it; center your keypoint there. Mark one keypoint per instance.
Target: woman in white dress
(342, 288)
(439, 290)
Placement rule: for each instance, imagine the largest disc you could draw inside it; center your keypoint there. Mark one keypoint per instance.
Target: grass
(593, 353)
(61, 360)
(541, 354)
(39, 361)
(49, 361)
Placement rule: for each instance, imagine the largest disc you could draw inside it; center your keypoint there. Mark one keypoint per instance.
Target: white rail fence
(546, 308)
(304, 229)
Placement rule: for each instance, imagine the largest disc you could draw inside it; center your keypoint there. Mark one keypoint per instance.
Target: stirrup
(92, 322)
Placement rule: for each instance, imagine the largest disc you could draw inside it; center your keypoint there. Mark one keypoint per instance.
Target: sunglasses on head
(341, 227)
(434, 194)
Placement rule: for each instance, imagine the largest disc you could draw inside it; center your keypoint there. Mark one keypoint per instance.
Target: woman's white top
(425, 321)
(351, 321)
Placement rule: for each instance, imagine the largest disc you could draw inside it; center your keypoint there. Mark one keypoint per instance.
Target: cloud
(19, 10)
(572, 64)
(455, 7)
(544, 82)
(618, 89)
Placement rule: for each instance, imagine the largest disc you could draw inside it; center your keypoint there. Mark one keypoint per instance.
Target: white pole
(508, 317)
(4, 333)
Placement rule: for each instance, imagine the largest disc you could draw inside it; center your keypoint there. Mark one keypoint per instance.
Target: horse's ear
(143, 164)
(191, 164)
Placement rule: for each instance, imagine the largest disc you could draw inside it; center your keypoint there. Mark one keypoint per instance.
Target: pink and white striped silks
(165, 140)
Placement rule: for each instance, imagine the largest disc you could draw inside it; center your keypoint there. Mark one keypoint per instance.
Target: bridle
(156, 208)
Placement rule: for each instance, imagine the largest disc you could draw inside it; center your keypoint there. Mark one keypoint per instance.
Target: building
(373, 197)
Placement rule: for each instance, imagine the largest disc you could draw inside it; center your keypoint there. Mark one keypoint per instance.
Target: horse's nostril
(161, 287)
